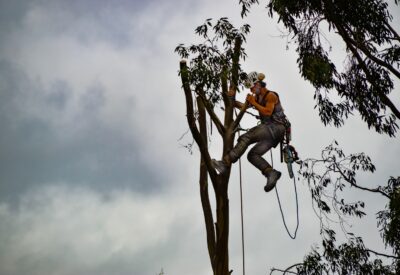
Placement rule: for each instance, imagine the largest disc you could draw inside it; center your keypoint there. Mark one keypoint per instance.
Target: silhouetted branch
(286, 270)
(382, 254)
(352, 183)
(385, 99)
(212, 114)
(203, 182)
(192, 120)
(239, 117)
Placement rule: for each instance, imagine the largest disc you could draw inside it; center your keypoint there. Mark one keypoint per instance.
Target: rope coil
(280, 206)
(283, 216)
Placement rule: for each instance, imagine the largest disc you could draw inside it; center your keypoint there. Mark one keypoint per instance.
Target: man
(267, 134)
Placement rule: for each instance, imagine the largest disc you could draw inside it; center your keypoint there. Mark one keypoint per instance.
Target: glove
(250, 99)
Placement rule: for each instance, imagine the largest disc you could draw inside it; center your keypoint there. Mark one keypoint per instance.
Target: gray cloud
(92, 178)
(88, 21)
(84, 149)
(127, 234)
(61, 121)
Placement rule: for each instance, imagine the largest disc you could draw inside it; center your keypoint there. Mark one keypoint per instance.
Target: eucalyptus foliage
(372, 59)
(211, 60)
(329, 179)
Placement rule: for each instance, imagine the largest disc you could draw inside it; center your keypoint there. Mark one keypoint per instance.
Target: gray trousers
(266, 136)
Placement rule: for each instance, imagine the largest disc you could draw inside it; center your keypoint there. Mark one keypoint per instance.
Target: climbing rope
(241, 214)
(280, 206)
(241, 211)
(241, 205)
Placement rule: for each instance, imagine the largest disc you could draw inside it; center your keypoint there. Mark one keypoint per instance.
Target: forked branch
(192, 120)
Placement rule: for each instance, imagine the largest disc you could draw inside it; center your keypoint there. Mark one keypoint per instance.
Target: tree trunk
(222, 255)
(218, 237)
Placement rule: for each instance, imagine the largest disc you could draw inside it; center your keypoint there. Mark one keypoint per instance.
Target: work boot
(220, 166)
(272, 178)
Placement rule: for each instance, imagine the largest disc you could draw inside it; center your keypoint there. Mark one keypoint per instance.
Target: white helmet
(252, 78)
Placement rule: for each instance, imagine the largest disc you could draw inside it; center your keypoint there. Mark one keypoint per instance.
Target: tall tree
(211, 79)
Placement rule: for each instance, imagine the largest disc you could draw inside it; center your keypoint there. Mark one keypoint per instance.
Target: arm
(239, 105)
(231, 94)
(266, 110)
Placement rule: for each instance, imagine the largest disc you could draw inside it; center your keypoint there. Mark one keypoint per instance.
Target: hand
(250, 99)
(231, 92)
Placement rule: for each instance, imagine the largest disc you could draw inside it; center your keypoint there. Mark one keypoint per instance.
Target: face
(256, 88)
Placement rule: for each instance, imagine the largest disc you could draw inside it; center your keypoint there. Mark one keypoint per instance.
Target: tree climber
(267, 134)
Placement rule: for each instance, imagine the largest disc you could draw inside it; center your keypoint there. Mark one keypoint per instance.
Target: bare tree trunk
(218, 237)
(222, 254)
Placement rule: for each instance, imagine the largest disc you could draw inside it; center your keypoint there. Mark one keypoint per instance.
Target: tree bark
(205, 201)
(222, 255)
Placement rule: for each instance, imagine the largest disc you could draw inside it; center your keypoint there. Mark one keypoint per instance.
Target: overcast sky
(93, 179)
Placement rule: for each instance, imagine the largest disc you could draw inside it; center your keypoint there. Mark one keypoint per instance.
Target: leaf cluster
(348, 258)
(372, 56)
(246, 4)
(330, 175)
(327, 178)
(363, 85)
(389, 218)
(211, 61)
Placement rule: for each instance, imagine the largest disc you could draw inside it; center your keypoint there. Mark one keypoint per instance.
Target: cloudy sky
(93, 179)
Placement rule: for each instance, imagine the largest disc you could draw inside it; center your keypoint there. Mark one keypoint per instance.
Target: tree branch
(203, 182)
(395, 34)
(230, 102)
(211, 112)
(385, 99)
(372, 57)
(239, 117)
(192, 120)
(235, 62)
(224, 85)
(286, 270)
(382, 254)
(352, 183)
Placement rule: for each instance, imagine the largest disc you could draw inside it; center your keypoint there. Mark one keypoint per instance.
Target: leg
(252, 136)
(255, 155)
(271, 137)
(266, 136)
